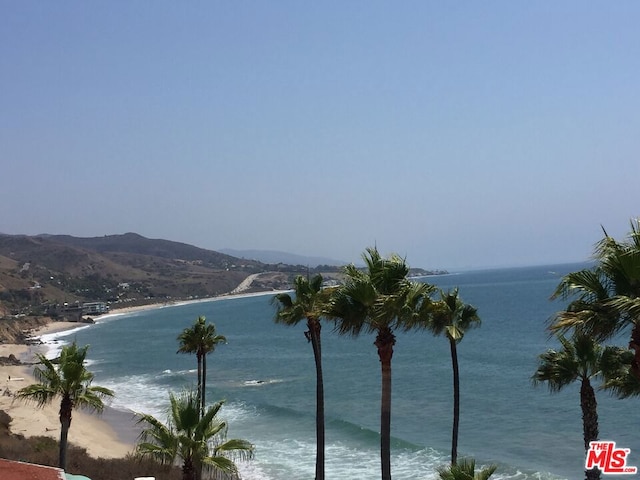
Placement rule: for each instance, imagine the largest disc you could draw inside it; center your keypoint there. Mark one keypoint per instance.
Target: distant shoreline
(178, 303)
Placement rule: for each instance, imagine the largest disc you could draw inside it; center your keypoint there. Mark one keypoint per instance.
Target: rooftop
(10, 470)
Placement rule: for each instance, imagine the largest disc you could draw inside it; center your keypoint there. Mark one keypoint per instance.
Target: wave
(261, 383)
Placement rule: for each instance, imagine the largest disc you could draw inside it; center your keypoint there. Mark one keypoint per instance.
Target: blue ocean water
(266, 375)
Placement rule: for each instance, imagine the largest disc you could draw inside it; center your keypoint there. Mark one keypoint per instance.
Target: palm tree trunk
(66, 407)
(197, 469)
(204, 384)
(634, 344)
(199, 358)
(188, 472)
(589, 421)
(456, 402)
(385, 342)
(314, 334)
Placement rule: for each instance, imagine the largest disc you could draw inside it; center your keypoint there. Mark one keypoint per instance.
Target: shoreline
(112, 434)
(178, 303)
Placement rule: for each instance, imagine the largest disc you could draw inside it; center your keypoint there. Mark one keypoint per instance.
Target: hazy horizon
(460, 136)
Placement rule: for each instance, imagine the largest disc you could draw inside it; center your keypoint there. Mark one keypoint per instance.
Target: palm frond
(465, 469)
(618, 379)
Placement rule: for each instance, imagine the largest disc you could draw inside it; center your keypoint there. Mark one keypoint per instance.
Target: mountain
(274, 256)
(41, 270)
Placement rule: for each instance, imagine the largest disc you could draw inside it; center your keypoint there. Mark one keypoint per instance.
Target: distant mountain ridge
(137, 244)
(275, 256)
(41, 270)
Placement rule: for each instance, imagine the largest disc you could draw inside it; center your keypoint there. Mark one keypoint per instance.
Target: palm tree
(378, 300)
(69, 380)
(608, 295)
(465, 470)
(198, 440)
(200, 339)
(581, 358)
(453, 317)
(310, 302)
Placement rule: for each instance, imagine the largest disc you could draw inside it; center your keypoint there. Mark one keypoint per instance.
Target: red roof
(10, 470)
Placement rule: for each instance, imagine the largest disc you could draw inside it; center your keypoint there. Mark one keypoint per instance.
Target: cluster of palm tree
(378, 299)
(604, 303)
(201, 338)
(193, 432)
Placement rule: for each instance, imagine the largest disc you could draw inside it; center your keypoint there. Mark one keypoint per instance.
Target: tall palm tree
(72, 383)
(198, 440)
(378, 300)
(309, 303)
(453, 317)
(581, 358)
(465, 470)
(201, 339)
(608, 295)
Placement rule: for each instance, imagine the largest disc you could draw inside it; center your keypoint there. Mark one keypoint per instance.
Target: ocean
(266, 376)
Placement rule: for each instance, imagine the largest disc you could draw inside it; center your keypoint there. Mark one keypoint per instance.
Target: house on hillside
(94, 308)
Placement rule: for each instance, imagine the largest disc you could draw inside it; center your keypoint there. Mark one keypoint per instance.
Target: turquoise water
(266, 374)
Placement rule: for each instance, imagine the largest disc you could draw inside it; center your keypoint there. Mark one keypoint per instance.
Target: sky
(456, 134)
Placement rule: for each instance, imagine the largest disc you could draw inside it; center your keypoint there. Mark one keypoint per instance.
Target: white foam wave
(296, 459)
(280, 454)
(140, 394)
(52, 343)
(260, 383)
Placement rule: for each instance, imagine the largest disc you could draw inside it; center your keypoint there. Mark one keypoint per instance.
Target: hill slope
(48, 269)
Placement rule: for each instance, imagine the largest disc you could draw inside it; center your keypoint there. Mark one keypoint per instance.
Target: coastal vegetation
(69, 380)
(604, 303)
(606, 297)
(42, 450)
(197, 438)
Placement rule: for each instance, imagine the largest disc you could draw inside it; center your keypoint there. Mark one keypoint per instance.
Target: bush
(44, 451)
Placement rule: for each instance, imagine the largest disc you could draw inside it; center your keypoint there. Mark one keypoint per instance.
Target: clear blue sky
(457, 134)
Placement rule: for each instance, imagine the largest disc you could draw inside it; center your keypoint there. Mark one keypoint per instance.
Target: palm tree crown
(608, 295)
(198, 440)
(70, 381)
(465, 470)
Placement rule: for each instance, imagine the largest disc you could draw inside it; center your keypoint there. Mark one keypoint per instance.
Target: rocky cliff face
(16, 330)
